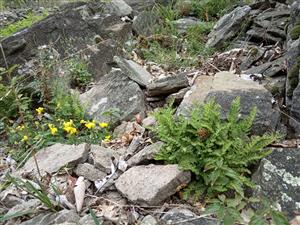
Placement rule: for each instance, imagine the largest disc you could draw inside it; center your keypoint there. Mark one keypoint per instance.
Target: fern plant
(219, 152)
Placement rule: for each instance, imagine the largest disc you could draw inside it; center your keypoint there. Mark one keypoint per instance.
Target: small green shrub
(228, 210)
(79, 74)
(217, 151)
(21, 24)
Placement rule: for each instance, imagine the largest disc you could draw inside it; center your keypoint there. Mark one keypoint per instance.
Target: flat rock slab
(64, 216)
(167, 85)
(146, 154)
(278, 179)
(114, 92)
(89, 172)
(52, 158)
(102, 157)
(134, 71)
(228, 27)
(224, 87)
(152, 184)
(174, 216)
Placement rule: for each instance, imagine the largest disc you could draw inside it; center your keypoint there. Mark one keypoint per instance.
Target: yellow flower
(107, 138)
(71, 130)
(39, 110)
(22, 127)
(68, 124)
(25, 138)
(82, 121)
(68, 127)
(52, 128)
(103, 125)
(90, 125)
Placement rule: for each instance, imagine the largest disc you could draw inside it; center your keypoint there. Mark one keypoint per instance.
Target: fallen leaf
(79, 192)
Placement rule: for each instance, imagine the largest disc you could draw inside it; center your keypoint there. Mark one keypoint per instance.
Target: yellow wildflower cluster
(20, 128)
(40, 110)
(69, 127)
(53, 129)
(25, 138)
(103, 125)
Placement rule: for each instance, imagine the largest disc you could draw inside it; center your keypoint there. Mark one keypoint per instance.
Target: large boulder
(75, 26)
(278, 179)
(228, 27)
(114, 92)
(53, 158)
(224, 87)
(152, 184)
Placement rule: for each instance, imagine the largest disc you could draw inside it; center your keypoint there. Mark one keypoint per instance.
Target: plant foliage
(217, 151)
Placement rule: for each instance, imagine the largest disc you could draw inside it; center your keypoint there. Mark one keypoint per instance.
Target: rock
(10, 197)
(148, 220)
(89, 172)
(120, 33)
(121, 7)
(142, 5)
(64, 216)
(269, 69)
(167, 85)
(182, 25)
(79, 24)
(225, 87)
(152, 184)
(24, 207)
(149, 121)
(114, 92)
(145, 155)
(88, 220)
(102, 157)
(180, 214)
(134, 71)
(228, 27)
(278, 179)
(128, 128)
(52, 158)
(259, 34)
(178, 97)
(144, 23)
(115, 197)
(295, 111)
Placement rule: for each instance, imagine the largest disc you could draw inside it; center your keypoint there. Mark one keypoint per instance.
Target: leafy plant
(217, 151)
(38, 193)
(228, 211)
(79, 74)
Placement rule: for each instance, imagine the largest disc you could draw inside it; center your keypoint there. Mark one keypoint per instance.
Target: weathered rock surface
(167, 85)
(102, 157)
(145, 155)
(144, 23)
(52, 158)
(181, 214)
(225, 87)
(24, 207)
(114, 92)
(182, 25)
(121, 7)
(134, 71)
(75, 25)
(278, 179)
(228, 27)
(89, 172)
(151, 184)
(64, 216)
(149, 220)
